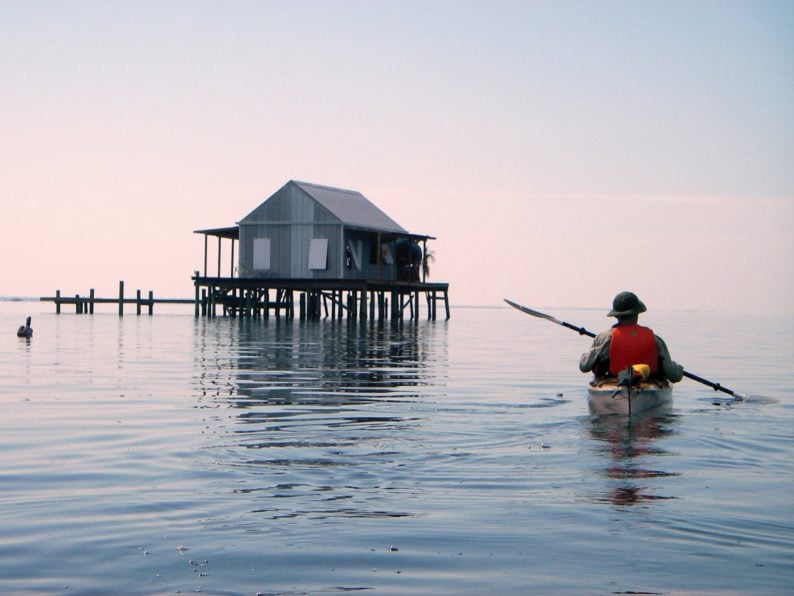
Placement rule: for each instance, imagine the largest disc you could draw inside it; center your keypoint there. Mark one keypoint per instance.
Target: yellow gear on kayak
(642, 370)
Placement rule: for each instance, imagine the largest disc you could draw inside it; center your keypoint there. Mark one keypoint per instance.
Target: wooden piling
(121, 298)
(395, 305)
(266, 302)
(196, 303)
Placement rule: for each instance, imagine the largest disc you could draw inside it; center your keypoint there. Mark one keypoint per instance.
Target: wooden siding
(280, 237)
(289, 250)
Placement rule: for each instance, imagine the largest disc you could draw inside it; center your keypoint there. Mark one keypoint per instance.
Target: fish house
(331, 246)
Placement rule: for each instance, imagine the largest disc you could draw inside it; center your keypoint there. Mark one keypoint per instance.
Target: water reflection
(630, 446)
(321, 413)
(315, 362)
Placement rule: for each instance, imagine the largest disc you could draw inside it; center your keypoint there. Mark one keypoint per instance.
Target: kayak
(605, 396)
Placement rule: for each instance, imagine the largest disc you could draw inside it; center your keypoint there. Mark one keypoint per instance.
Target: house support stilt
(316, 299)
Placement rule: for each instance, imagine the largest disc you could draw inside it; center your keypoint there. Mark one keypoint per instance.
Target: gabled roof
(351, 207)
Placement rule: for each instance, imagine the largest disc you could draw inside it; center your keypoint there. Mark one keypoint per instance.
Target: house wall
(292, 219)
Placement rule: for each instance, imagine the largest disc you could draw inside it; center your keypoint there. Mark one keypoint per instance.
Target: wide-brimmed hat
(626, 304)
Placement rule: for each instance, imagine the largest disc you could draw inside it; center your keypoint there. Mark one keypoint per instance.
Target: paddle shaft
(715, 386)
(583, 331)
(579, 330)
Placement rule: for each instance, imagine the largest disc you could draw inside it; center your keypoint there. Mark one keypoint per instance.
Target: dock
(287, 298)
(85, 304)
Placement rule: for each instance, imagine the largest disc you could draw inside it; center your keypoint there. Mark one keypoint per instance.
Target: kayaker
(626, 343)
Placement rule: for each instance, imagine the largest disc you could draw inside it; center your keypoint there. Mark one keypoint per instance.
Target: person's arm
(671, 370)
(600, 347)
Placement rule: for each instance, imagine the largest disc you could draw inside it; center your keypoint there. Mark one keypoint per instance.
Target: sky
(559, 151)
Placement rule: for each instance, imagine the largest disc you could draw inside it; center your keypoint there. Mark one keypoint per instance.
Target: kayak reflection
(634, 448)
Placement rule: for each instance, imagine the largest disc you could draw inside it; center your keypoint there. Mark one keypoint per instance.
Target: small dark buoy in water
(25, 330)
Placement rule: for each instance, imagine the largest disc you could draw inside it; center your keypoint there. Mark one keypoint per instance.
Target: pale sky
(560, 151)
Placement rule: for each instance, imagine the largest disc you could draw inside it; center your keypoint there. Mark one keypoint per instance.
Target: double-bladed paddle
(582, 331)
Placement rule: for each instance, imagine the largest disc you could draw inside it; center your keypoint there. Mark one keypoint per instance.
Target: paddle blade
(530, 311)
(759, 399)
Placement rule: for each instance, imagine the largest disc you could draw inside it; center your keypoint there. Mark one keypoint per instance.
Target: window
(318, 254)
(385, 253)
(353, 254)
(262, 254)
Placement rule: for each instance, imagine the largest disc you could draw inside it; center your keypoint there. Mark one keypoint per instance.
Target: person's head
(626, 307)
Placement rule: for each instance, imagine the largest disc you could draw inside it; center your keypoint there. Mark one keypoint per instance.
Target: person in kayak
(626, 344)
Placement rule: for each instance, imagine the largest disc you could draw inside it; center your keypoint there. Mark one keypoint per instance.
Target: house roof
(351, 207)
(232, 232)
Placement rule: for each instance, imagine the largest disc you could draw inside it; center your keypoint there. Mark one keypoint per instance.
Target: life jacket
(632, 344)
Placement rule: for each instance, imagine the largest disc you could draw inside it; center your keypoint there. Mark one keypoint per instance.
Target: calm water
(164, 454)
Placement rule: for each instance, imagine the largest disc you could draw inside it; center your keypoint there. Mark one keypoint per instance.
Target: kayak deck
(607, 397)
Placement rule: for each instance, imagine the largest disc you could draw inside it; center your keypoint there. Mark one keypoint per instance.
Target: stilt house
(317, 239)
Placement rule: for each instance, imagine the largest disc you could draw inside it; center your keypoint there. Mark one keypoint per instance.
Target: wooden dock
(85, 304)
(257, 297)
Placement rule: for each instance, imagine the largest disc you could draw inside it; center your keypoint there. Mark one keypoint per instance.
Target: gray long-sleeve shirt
(598, 354)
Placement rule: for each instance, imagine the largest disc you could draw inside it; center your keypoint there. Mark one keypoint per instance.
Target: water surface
(164, 454)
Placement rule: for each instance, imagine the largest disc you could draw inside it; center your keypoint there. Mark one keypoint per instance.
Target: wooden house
(320, 241)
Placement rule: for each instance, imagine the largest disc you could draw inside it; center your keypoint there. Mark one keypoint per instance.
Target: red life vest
(632, 344)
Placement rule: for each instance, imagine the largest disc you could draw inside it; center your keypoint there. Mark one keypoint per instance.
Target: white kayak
(607, 397)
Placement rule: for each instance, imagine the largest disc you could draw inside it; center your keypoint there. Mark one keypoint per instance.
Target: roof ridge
(325, 187)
